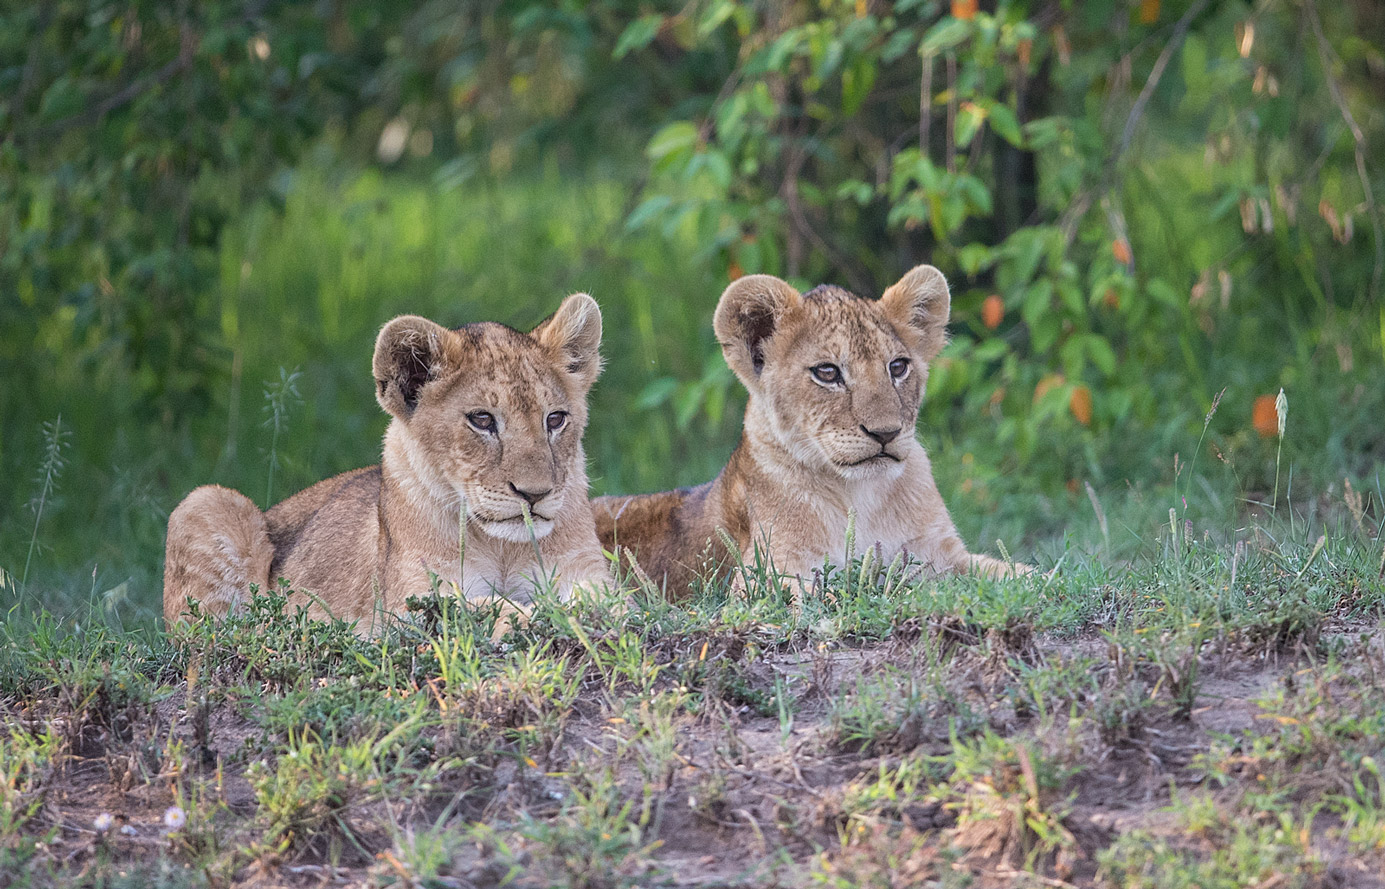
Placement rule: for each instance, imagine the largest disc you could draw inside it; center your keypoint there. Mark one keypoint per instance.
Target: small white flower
(175, 818)
(103, 822)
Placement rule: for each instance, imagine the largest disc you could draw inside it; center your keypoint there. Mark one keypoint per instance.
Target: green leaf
(1163, 292)
(62, 99)
(1005, 124)
(779, 52)
(650, 209)
(1025, 249)
(1072, 298)
(656, 393)
(856, 191)
(856, 83)
(713, 17)
(990, 349)
(898, 44)
(974, 257)
(714, 164)
(1102, 355)
(673, 137)
(1038, 301)
(1196, 81)
(685, 405)
(969, 120)
(1070, 354)
(944, 35)
(637, 35)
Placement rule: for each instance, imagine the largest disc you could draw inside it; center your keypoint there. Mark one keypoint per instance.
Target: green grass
(957, 729)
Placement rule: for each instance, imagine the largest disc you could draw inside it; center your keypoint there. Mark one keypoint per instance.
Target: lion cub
(487, 424)
(835, 384)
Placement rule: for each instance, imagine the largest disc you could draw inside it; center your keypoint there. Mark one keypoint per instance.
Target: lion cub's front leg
(218, 545)
(946, 553)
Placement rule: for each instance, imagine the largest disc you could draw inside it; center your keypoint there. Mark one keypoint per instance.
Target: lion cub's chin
(516, 531)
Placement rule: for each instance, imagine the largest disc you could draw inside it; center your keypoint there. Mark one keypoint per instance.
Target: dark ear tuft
(572, 335)
(918, 305)
(747, 315)
(408, 354)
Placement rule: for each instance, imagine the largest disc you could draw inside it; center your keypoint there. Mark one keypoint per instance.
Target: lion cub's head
(492, 417)
(838, 378)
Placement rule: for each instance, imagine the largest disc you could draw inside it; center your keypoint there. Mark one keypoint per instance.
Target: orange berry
(1112, 299)
(734, 270)
(964, 9)
(1080, 403)
(1120, 249)
(1264, 417)
(1149, 12)
(992, 311)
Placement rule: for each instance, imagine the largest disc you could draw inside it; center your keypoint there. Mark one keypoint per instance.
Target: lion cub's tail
(218, 545)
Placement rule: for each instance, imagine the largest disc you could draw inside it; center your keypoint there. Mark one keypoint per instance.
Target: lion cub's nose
(884, 436)
(531, 497)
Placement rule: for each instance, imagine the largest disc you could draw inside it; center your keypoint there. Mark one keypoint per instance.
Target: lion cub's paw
(511, 617)
(987, 566)
(601, 592)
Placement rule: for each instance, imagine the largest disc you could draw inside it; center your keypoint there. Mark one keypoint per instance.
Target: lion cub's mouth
(515, 529)
(519, 519)
(873, 458)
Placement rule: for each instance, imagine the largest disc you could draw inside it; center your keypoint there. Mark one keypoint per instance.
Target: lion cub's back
(327, 538)
(662, 530)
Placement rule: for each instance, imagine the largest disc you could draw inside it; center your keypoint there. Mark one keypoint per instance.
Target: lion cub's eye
(557, 420)
(827, 373)
(899, 367)
(481, 420)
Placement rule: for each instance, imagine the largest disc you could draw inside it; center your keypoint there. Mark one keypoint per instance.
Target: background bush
(1145, 209)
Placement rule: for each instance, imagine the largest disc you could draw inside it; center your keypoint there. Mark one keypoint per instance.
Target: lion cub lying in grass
(486, 419)
(835, 384)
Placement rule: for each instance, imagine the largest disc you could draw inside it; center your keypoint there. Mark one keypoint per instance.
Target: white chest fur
(871, 518)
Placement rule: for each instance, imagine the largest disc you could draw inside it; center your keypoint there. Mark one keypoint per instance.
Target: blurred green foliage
(1151, 194)
(1139, 205)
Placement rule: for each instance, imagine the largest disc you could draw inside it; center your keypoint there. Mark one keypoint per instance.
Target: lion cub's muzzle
(519, 512)
(875, 447)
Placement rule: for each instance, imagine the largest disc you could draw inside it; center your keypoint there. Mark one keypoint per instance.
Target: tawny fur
(359, 544)
(807, 458)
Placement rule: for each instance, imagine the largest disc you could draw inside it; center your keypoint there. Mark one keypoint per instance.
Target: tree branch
(1325, 55)
(187, 48)
(1180, 31)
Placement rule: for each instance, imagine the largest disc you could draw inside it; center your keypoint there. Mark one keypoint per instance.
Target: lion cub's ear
(573, 336)
(748, 313)
(919, 304)
(408, 353)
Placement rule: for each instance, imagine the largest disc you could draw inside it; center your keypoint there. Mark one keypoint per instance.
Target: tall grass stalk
(1192, 468)
(54, 442)
(279, 397)
(1281, 411)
